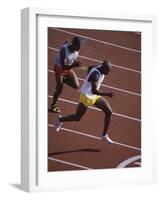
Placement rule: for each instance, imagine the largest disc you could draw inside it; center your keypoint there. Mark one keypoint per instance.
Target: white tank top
(86, 88)
(70, 57)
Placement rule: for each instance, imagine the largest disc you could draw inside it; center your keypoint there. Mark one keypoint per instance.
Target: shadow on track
(73, 151)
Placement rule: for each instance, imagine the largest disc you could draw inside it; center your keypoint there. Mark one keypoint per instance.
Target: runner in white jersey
(91, 95)
(65, 60)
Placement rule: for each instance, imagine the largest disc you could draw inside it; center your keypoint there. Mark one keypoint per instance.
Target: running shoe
(58, 124)
(55, 108)
(107, 139)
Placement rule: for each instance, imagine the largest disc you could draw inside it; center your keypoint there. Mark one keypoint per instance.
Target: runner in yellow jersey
(91, 95)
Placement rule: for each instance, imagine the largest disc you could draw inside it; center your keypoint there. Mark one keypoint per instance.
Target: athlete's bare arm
(94, 77)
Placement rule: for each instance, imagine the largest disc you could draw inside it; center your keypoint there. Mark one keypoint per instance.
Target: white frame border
(29, 85)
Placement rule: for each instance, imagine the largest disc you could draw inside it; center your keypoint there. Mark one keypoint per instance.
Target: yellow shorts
(86, 101)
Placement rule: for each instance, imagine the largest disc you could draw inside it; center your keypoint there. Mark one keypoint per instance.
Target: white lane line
(107, 86)
(100, 41)
(128, 146)
(80, 133)
(99, 61)
(137, 163)
(94, 137)
(128, 161)
(94, 108)
(69, 163)
(118, 66)
(114, 88)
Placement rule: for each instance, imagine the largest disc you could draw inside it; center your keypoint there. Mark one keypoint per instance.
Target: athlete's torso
(70, 57)
(86, 88)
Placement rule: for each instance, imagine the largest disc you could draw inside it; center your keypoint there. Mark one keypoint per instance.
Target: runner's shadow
(73, 151)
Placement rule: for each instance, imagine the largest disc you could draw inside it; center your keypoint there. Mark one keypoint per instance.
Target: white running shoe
(58, 124)
(106, 138)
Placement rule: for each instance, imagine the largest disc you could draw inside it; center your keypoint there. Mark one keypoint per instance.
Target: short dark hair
(108, 64)
(76, 40)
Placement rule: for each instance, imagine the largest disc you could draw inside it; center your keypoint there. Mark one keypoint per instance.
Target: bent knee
(108, 112)
(77, 118)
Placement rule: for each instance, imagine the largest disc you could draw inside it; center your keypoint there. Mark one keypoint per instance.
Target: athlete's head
(76, 43)
(106, 67)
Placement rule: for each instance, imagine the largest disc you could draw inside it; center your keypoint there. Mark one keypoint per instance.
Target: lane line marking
(137, 163)
(68, 163)
(128, 161)
(94, 108)
(128, 146)
(114, 65)
(99, 61)
(94, 137)
(107, 86)
(118, 89)
(100, 41)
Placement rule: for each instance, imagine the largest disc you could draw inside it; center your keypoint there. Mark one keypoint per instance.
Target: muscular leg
(59, 87)
(81, 109)
(102, 104)
(72, 80)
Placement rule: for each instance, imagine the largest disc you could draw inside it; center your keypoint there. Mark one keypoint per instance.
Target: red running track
(78, 145)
